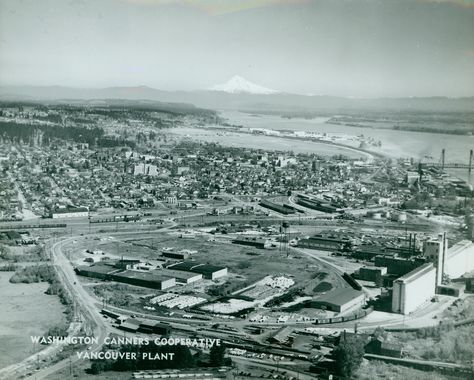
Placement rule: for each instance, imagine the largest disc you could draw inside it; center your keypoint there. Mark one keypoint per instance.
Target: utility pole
(443, 156)
(470, 161)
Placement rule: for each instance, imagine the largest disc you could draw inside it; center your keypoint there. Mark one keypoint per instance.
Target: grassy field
(25, 311)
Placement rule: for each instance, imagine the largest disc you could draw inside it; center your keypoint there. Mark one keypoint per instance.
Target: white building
(459, 259)
(414, 289)
(145, 169)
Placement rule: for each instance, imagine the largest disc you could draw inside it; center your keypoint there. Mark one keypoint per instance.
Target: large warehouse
(460, 259)
(151, 279)
(208, 271)
(340, 300)
(413, 289)
(181, 276)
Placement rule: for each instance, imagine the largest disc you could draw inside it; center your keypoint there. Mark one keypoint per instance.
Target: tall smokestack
(439, 266)
(445, 246)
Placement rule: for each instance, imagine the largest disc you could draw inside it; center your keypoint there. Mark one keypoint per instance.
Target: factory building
(326, 243)
(459, 259)
(432, 249)
(153, 327)
(211, 272)
(282, 209)
(339, 300)
(397, 265)
(181, 276)
(372, 273)
(182, 255)
(256, 242)
(101, 271)
(413, 289)
(151, 279)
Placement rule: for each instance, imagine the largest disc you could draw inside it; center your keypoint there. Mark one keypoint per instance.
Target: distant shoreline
(368, 153)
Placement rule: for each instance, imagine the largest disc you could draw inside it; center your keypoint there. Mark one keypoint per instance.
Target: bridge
(442, 164)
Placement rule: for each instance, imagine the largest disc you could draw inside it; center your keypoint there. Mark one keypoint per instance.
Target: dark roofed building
(153, 327)
(378, 346)
(102, 271)
(252, 241)
(340, 300)
(149, 279)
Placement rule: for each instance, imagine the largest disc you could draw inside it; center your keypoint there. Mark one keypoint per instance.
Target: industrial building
(182, 255)
(398, 265)
(208, 271)
(326, 243)
(101, 271)
(251, 241)
(151, 279)
(69, 212)
(282, 209)
(413, 289)
(154, 279)
(340, 300)
(459, 259)
(372, 273)
(282, 336)
(153, 327)
(182, 277)
(316, 204)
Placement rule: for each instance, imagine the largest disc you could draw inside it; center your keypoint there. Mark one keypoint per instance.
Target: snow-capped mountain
(237, 85)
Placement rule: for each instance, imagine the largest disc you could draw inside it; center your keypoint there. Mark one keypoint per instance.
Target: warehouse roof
(416, 273)
(339, 296)
(98, 268)
(282, 335)
(193, 266)
(148, 276)
(177, 273)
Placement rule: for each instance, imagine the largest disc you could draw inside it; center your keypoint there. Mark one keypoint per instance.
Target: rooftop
(193, 266)
(148, 276)
(416, 273)
(339, 296)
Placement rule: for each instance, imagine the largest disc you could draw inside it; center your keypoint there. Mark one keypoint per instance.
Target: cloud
(218, 7)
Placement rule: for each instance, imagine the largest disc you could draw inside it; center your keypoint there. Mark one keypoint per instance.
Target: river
(422, 146)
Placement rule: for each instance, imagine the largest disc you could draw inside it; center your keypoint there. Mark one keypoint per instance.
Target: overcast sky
(361, 48)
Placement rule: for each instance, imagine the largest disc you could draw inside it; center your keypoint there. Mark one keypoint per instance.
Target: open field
(25, 311)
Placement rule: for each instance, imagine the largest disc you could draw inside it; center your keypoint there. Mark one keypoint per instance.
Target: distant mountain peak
(238, 84)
